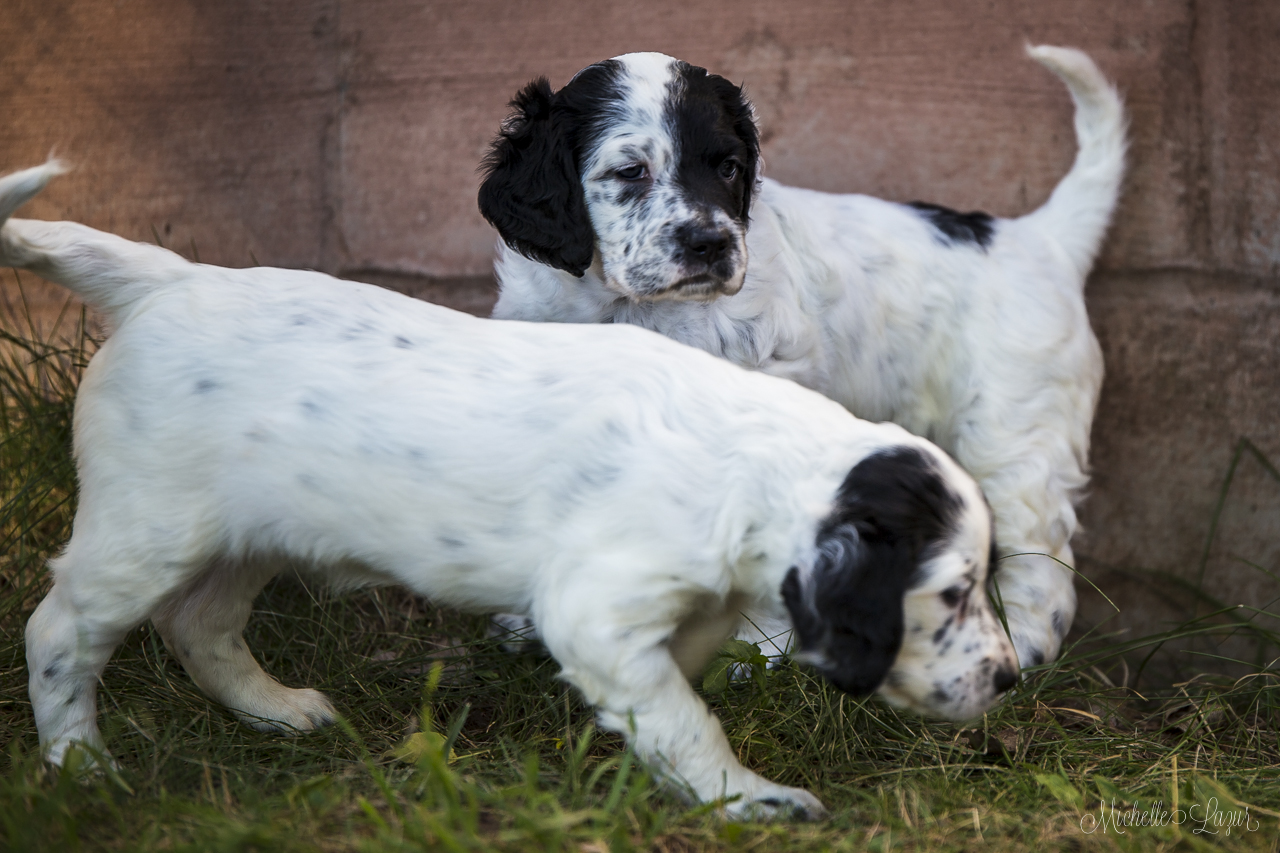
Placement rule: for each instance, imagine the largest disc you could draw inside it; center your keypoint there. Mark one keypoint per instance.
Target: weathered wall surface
(345, 136)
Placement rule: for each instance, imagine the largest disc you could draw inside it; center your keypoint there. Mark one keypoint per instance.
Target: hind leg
(67, 649)
(73, 632)
(203, 626)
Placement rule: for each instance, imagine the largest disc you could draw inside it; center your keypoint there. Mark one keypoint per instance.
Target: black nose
(701, 244)
(1005, 678)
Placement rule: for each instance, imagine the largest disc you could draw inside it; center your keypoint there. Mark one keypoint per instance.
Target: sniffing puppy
(625, 197)
(629, 493)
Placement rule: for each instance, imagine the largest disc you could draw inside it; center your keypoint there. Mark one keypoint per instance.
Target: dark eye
(632, 173)
(729, 169)
(952, 595)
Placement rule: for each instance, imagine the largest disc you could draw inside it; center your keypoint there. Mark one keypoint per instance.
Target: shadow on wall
(1219, 614)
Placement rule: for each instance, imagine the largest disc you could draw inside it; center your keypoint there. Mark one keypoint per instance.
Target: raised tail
(1079, 210)
(20, 187)
(108, 272)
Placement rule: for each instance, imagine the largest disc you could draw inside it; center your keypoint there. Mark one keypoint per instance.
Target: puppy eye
(633, 172)
(729, 169)
(952, 595)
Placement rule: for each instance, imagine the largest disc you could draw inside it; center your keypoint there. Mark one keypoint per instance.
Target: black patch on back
(532, 188)
(710, 120)
(974, 227)
(891, 513)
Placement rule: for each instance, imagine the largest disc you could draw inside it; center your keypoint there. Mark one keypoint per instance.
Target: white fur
(628, 493)
(988, 353)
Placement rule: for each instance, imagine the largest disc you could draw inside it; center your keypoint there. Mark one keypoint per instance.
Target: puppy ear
(532, 192)
(893, 510)
(848, 614)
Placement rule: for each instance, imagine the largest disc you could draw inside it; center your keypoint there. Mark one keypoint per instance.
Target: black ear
(532, 192)
(891, 511)
(849, 621)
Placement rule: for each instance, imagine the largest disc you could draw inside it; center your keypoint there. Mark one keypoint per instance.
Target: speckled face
(668, 182)
(895, 600)
(955, 659)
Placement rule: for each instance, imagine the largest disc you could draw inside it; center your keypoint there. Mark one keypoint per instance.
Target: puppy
(625, 197)
(629, 493)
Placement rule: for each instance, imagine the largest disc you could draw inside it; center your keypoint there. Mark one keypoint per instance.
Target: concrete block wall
(345, 136)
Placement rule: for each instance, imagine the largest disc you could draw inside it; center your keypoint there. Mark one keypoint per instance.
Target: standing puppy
(628, 493)
(625, 198)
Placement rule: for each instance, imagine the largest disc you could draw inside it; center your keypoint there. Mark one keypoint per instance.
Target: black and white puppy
(625, 197)
(630, 494)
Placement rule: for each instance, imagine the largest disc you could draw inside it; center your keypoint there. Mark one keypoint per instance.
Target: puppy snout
(1006, 677)
(702, 245)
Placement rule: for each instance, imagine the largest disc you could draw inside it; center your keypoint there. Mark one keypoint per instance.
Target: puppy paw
(518, 634)
(289, 711)
(88, 755)
(777, 803)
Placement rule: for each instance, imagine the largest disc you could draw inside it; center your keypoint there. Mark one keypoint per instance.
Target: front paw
(518, 634)
(777, 803)
(288, 711)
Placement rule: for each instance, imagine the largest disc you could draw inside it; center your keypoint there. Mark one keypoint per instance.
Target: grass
(450, 744)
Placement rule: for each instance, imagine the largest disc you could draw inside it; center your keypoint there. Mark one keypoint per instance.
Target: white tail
(108, 272)
(1079, 210)
(20, 187)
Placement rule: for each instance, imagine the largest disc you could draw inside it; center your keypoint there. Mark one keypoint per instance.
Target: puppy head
(896, 600)
(643, 161)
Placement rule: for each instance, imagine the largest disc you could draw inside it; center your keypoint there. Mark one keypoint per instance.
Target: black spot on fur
(1037, 657)
(55, 667)
(710, 120)
(1060, 626)
(204, 386)
(532, 189)
(892, 511)
(974, 227)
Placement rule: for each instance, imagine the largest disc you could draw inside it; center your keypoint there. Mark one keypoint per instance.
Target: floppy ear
(891, 511)
(847, 614)
(532, 192)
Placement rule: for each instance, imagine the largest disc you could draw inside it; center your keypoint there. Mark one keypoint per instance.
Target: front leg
(629, 674)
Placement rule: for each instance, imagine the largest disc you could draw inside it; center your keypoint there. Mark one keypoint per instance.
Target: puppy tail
(108, 272)
(1079, 210)
(20, 187)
